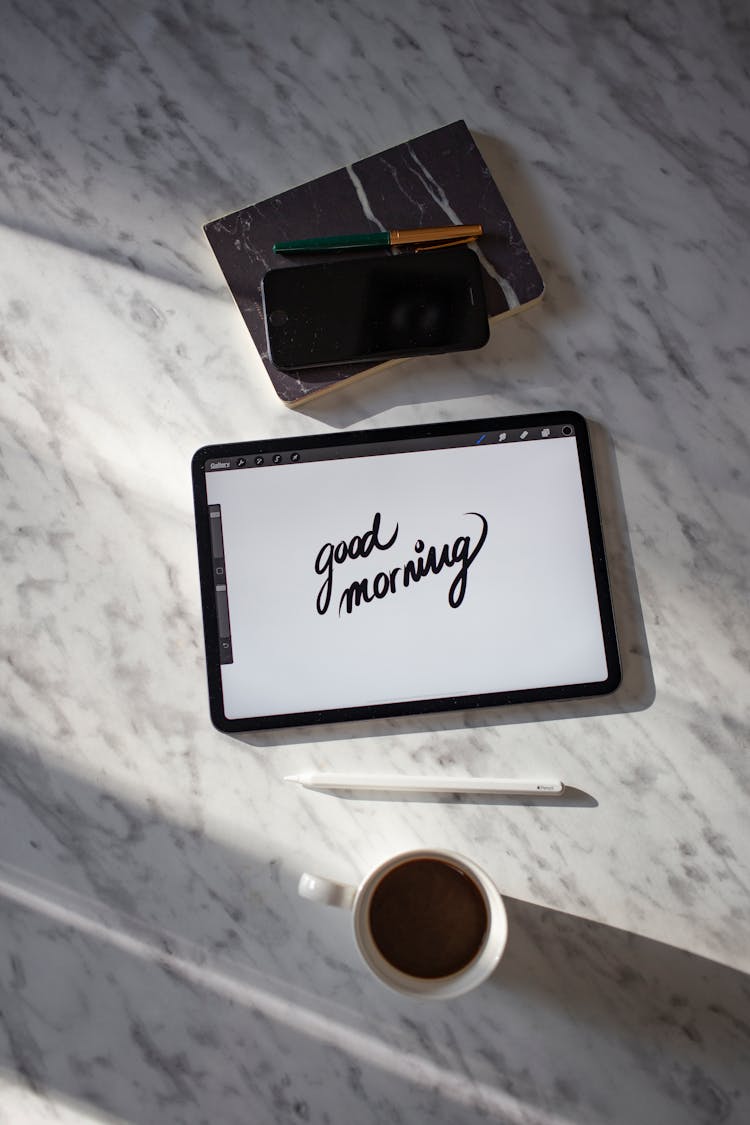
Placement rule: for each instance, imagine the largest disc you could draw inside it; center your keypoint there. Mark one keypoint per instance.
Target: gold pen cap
(435, 234)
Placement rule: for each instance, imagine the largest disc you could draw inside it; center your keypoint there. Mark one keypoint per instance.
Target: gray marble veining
(155, 962)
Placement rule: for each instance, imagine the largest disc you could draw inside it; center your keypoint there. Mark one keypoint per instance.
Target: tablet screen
(402, 570)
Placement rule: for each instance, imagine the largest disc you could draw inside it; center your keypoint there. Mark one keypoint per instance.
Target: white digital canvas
(407, 576)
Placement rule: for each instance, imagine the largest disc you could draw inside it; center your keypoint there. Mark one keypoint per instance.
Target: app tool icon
(276, 458)
(258, 460)
(502, 437)
(524, 435)
(545, 431)
(241, 462)
(294, 457)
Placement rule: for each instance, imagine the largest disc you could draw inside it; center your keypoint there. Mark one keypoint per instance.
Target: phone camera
(278, 318)
(567, 431)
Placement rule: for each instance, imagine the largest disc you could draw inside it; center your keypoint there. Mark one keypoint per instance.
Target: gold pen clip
(435, 238)
(442, 245)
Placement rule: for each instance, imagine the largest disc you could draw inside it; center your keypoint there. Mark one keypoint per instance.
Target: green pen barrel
(333, 242)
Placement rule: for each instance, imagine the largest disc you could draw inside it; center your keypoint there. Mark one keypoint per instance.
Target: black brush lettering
(460, 553)
(355, 594)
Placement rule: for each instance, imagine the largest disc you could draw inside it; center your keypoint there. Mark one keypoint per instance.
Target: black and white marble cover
(156, 964)
(434, 180)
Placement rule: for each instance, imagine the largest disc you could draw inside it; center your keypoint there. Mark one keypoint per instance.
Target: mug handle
(318, 889)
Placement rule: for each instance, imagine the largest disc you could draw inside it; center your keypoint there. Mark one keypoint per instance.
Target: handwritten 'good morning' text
(431, 560)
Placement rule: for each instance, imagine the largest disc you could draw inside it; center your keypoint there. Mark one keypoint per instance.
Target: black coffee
(428, 918)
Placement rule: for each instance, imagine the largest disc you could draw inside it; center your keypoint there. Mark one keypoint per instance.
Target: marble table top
(156, 963)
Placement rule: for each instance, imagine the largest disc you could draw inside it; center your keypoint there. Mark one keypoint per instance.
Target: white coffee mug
(480, 964)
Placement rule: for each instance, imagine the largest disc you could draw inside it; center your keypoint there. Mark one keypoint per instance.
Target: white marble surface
(155, 962)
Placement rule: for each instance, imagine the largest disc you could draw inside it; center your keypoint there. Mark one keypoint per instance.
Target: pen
(447, 236)
(403, 784)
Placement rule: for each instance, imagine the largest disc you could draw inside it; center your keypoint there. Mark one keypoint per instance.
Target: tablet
(398, 571)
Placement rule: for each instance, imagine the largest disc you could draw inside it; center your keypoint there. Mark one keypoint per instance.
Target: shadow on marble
(152, 973)
(131, 257)
(671, 1008)
(637, 690)
(635, 693)
(561, 297)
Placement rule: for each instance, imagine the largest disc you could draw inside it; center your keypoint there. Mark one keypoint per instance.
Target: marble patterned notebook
(437, 179)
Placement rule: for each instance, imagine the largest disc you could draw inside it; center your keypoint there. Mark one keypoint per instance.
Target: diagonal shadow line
(182, 1002)
(189, 278)
(612, 977)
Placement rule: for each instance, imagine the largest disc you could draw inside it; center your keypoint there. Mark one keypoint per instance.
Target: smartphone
(375, 308)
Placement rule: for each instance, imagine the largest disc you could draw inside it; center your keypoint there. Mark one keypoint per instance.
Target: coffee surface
(428, 918)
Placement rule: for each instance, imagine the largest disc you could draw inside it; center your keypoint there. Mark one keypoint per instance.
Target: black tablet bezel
(420, 706)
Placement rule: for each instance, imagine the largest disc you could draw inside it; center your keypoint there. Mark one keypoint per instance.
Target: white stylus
(404, 784)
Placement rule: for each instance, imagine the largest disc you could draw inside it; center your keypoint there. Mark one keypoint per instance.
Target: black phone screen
(375, 308)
